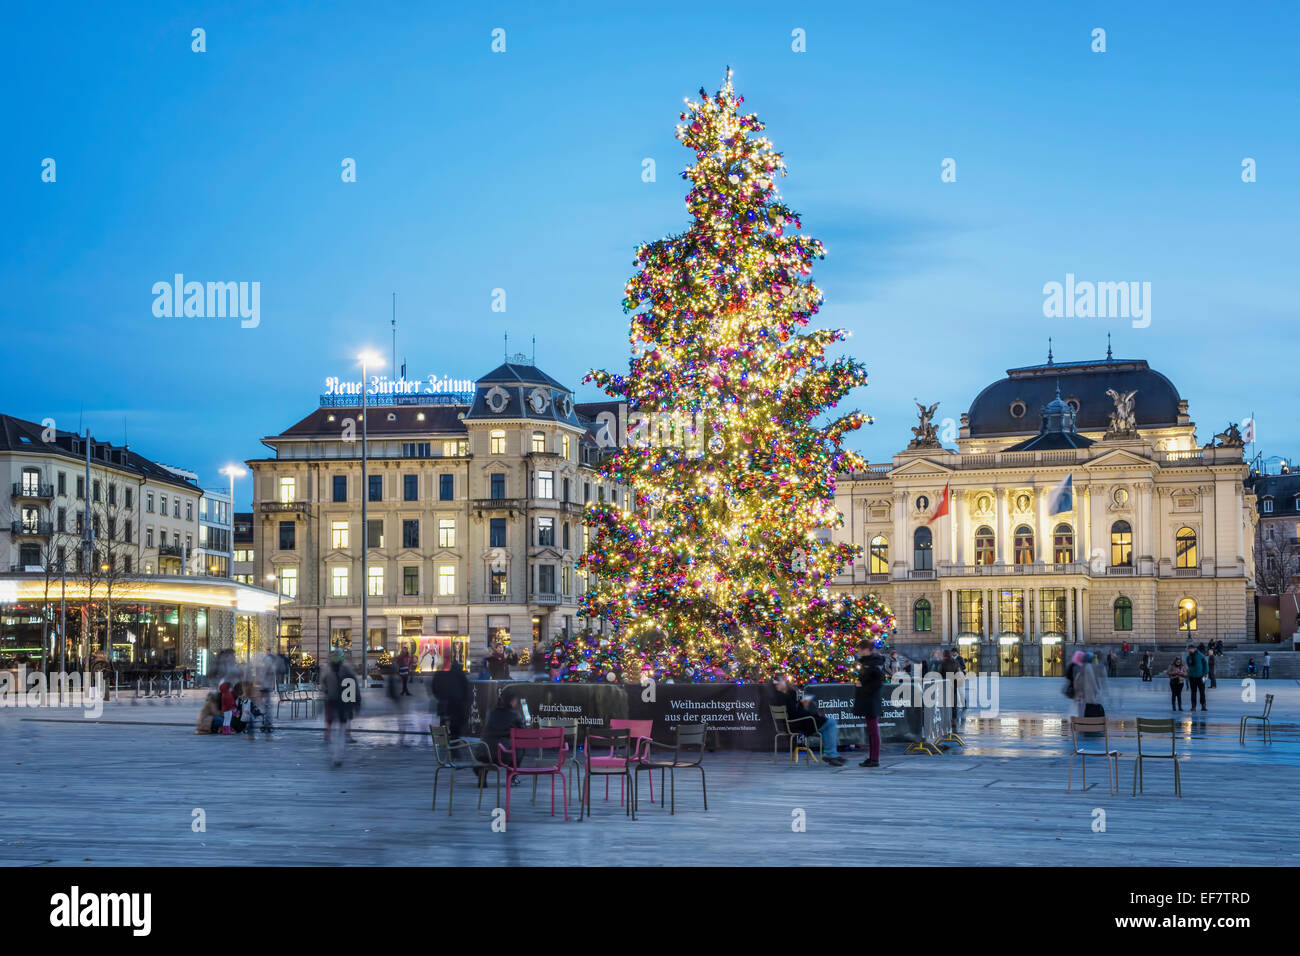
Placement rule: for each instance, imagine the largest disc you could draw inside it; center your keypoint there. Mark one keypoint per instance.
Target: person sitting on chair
(801, 705)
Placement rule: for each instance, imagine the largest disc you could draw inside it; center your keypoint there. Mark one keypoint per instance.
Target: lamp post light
(279, 597)
(366, 359)
(108, 623)
(232, 471)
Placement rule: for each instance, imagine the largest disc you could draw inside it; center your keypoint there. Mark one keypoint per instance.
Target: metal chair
(1092, 725)
(799, 739)
(542, 740)
(570, 727)
(445, 755)
(1264, 720)
(613, 760)
(1150, 727)
(687, 737)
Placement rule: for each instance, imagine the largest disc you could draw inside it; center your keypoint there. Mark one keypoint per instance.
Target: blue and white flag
(1062, 496)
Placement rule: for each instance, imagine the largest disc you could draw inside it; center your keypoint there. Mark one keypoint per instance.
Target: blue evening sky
(522, 171)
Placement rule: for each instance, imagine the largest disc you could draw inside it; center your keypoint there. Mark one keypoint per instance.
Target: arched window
(539, 441)
(1185, 548)
(1123, 614)
(498, 442)
(1063, 544)
(923, 550)
(1024, 545)
(880, 554)
(1186, 615)
(921, 615)
(1121, 544)
(984, 545)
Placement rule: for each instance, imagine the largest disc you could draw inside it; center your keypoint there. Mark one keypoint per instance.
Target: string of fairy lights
(721, 565)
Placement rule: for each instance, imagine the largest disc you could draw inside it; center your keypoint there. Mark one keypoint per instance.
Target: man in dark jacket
(451, 687)
(1197, 668)
(866, 701)
(498, 665)
(501, 719)
(800, 709)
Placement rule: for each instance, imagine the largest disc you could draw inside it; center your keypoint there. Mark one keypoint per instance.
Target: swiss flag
(942, 510)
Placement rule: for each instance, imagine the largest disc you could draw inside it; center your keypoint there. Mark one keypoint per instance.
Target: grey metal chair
(455, 755)
(1264, 720)
(800, 737)
(1150, 727)
(1092, 725)
(609, 753)
(687, 738)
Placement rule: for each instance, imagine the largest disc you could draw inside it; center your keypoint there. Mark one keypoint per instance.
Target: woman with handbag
(1087, 688)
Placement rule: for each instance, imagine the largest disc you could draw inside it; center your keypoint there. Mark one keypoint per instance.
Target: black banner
(738, 715)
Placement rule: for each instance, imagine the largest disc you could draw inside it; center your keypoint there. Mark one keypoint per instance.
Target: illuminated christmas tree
(720, 567)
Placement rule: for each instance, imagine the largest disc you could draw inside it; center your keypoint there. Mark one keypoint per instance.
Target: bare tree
(1277, 562)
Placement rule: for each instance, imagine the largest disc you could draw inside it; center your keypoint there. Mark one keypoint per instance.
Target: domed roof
(1007, 406)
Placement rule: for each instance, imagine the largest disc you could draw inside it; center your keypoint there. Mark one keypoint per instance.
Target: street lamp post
(108, 608)
(279, 598)
(366, 358)
(233, 472)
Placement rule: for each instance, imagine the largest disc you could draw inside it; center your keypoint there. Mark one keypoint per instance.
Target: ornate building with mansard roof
(1081, 509)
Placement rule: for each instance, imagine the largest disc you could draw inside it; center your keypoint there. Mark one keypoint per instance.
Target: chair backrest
(540, 739)
(1153, 727)
(694, 736)
(568, 724)
(1088, 725)
(780, 716)
(441, 744)
(635, 728)
(615, 742)
(1268, 704)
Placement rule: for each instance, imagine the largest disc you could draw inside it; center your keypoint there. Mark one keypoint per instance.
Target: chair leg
(564, 789)
(435, 788)
(1069, 777)
(705, 787)
(552, 776)
(1137, 762)
(672, 786)
(1083, 771)
(482, 785)
(661, 788)
(451, 788)
(497, 770)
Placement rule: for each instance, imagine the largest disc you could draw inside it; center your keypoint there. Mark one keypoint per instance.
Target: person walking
(866, 700)
(451, 688)
(342, 693)
(404, 671)
(951, 673)
(1266, 665)
(1087, 687)
(1145, 668)
(268, 670)
(1110, 663)
(1177, 672)
(1212, 659)
(1197, 668)
(227, 706)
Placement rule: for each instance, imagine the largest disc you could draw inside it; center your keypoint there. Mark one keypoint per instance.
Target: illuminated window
(339, 582)
(446, 580)
(498, 442)
(375, 582)
(984, 545)
(446, 532)
(564, 446)
(1185, 548)
(546, 484)
(539, 441)
(1024, 545)
(288, 491)
(1121, 544)
(339, 534)
(1186, 615)
(450, 449)
(289, 582)
(880, 554)
(1063, 544)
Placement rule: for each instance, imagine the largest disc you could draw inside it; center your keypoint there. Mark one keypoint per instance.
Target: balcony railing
(28, 489)
(283, 506)
(1187, 572)
(171, 551)
(548, 599)
(915, 575)
(497, 504)
(963, 570)
(1122, 570)
(40, 528)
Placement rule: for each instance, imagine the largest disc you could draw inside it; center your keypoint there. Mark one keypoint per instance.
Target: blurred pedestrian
(1197, 668)
(1087, 687)
(866, 699)
(452, 690)
(227, 706)
(404, 670)
(342, 692)
(268, 673)
(1212, 660)
(1266, 665)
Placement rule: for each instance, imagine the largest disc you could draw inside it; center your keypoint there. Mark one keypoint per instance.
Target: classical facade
(474, 514)
(1080, 509)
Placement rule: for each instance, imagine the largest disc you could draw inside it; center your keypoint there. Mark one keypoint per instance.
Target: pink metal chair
(639, 731)
(540, 740)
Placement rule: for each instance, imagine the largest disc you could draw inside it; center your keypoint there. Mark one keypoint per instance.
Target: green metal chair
(1161, 727)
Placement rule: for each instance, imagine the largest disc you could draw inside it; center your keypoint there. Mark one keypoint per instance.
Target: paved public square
(124, 790)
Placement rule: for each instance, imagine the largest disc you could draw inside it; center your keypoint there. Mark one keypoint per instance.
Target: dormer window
(1266, 505)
